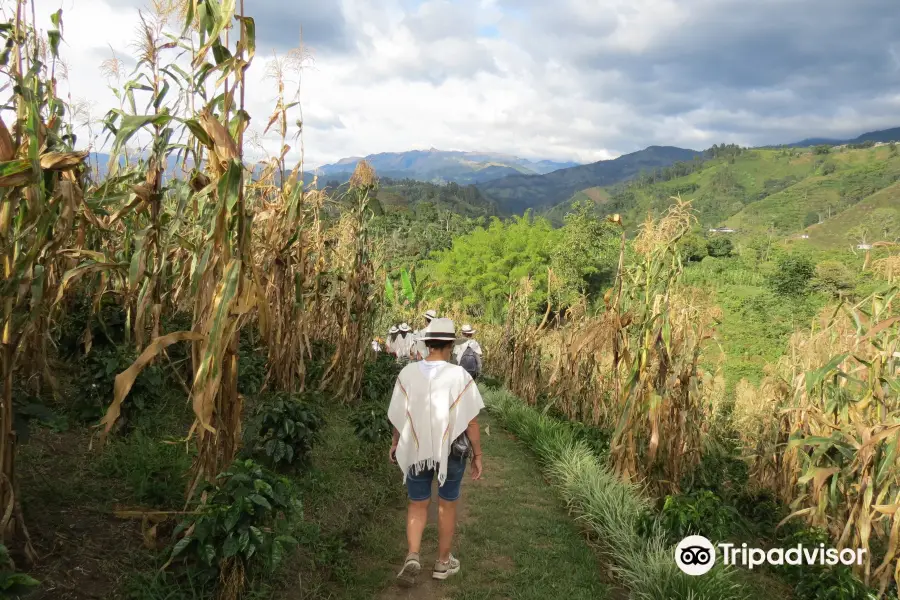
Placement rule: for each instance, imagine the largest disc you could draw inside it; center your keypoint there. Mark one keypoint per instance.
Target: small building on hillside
(721, 230)
(805, 236)
(864, 246)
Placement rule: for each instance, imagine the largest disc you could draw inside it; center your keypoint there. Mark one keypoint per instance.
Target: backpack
(469, 362)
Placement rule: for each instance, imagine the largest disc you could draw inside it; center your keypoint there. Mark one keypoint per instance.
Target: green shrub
(827, 168)
(762, 511)
(487, 381)
(249, 515)
(720, 470)
(834, 278)
(379, 377)
(811, 218)
(792, 275)
(693, 248)
(821, 582)
(699, 513)
(12, 584)
(29, 409)
(371, 424)
(595, 438)
(719, 246)
(107, 327)
(285, 426)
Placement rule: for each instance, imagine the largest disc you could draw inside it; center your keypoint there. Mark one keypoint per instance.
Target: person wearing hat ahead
(468, 354)
(391, 340)
(404, 343)
(433, 410)
(420, 350)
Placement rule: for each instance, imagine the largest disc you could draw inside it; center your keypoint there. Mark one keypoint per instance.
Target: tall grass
(610, 507)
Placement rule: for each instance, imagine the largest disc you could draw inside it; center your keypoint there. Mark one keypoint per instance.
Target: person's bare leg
(446, 528)
(416, 519)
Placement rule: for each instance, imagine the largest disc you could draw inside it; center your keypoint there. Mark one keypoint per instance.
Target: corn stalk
(632, 368)
(351, 291)
(843, 416)
(40, 193)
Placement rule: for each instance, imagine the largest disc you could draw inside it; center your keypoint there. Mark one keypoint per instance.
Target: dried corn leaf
(126, 378)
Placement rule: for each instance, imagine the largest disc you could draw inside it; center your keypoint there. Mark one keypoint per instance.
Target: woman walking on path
(433, 411)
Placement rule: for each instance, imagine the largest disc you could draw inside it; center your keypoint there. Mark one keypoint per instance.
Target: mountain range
(516, 193)
(883, 136)
(441, 166)
(515, 184)
(511, 185)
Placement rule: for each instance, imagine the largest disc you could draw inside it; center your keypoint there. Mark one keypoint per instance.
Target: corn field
(224, 244)
(827, 429)
(631, 369)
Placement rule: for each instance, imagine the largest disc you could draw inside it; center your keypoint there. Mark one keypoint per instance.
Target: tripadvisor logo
(696, 555)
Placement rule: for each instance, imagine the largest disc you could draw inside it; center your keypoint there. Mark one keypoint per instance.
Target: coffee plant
(285, 426)
(248, 516)
(371, 424)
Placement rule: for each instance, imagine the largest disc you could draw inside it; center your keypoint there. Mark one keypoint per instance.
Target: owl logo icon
(695, 555)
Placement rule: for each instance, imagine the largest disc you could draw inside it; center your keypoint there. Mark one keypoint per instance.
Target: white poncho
(402, 345)
(418, 345)
(432, 405)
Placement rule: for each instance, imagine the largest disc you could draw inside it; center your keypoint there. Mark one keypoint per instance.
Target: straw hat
(430, 314)
(467, 329)
(393, 329)
(441, 330)
(404, 327)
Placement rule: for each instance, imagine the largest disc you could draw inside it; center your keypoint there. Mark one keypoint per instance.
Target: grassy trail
(514, 538)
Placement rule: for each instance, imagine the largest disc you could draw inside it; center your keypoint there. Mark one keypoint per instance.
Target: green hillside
(839, 182)
(598, 195)
(407, 194)
(876, 218)
(832, 195)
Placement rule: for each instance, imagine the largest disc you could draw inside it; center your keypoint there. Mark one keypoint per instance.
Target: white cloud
(571, 79)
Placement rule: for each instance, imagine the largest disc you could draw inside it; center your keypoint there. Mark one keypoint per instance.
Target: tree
(833, 277)
(586, 255)
(479, 269)
(792, 275)
(719, 246)
(812, 218)
(693, 247)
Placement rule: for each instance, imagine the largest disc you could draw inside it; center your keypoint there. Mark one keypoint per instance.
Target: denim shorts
(418, 487)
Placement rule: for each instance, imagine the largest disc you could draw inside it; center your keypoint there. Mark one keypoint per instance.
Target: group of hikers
(433, 410)
(407, 344)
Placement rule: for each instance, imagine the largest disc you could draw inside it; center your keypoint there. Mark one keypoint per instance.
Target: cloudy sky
(562, 79)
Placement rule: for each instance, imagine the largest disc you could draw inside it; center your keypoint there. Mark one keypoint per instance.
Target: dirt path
(514, 538)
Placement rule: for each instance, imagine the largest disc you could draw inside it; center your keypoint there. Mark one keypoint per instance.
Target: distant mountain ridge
(882, 135)
(517, 193)
(442, 166)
